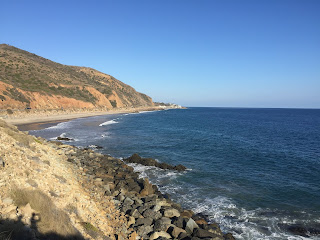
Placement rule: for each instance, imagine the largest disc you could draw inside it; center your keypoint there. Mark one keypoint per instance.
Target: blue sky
(222, 53)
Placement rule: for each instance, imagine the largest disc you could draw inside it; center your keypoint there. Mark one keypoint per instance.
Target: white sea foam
(145, 111)
(108, 123)
(244, 224)
(61, 125)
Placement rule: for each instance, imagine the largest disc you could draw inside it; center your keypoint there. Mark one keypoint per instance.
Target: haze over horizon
(193, 53)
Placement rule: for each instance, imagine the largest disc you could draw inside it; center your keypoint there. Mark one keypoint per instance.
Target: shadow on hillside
(17, 230)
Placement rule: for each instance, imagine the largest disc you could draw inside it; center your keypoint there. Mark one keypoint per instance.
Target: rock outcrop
(135, 158)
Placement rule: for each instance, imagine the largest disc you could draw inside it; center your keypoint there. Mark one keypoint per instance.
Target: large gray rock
(128, 201)
(191, 225)
(147, 188)
(180, 222)
(143, 231)
(214, 228)
(171, 212)
(175, 231)
(144, 221)
(135, 158)
(163, 234)
(134, 213)
(228, 236)
(201, 233)
(151, 214)
(156, 207)
(162, 224)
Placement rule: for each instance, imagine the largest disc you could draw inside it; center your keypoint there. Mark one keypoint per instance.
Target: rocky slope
(30, 81)
(49, 190)
(43, 196)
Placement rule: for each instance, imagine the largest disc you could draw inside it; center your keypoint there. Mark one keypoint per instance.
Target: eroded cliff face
(30, 81)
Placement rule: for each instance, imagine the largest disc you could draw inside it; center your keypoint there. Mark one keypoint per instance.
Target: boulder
(179, 222)
(163, 234)
(144, 221)
(162, 224)
(214, 228)
(171, 212)
(228, 236)
(147, 188)
(131, 221)
(180, 168)
(135, 158)
(187, 214)
(201, 233)
(143, 231)
(201, 222)
(175, 231)
(191, 225)
(134, 213)
(128, 201)
(151, 214)
(64, 139)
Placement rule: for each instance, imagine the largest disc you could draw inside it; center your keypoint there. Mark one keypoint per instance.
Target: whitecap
(108, 123)
(61, 125)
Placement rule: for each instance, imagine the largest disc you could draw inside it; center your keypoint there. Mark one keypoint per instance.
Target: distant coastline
(41, 116)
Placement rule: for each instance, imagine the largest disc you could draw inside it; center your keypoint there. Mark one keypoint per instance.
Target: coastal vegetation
(31, 81)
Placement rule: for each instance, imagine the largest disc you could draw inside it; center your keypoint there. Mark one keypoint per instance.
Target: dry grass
(19, 137)
(52, 220)
(4, 124)
(90, 229)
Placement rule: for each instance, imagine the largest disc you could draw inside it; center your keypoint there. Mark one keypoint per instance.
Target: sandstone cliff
(30, 81)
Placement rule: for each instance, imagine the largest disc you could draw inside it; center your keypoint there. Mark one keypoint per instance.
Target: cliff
(31, 81)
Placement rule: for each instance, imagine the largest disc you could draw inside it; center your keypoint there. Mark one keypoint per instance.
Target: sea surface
(254, 171)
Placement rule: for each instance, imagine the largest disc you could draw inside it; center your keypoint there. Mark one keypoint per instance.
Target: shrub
(2, 98)
(113, 103)
(9, 111)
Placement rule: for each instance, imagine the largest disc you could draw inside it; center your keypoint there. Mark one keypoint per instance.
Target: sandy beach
(59, 116)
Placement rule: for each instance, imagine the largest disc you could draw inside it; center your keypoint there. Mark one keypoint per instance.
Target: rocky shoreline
(149, 214)
(50, 190)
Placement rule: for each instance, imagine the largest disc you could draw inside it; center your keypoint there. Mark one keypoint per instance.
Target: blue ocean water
(254, 171)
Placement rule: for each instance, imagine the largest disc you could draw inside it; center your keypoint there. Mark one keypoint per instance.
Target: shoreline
(41, 117)
(127, 206)
(150, 214)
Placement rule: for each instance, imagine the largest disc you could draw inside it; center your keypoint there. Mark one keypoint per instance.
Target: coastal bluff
(49, 190)
(28, 81)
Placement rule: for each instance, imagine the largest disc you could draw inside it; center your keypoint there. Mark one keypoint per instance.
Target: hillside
(31, 81)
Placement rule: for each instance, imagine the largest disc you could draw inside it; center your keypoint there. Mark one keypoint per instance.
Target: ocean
(256, 172)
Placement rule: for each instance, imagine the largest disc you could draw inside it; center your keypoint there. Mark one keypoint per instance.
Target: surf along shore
(59, 115)
(50, 190)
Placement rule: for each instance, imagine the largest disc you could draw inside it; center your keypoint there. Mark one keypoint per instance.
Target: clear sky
(222, 53)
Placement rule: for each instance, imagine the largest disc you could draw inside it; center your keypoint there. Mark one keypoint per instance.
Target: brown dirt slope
(42, 193)
(28, 80)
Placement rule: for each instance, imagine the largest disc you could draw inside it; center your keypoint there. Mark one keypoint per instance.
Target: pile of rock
(135, 158)
(148, 213)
